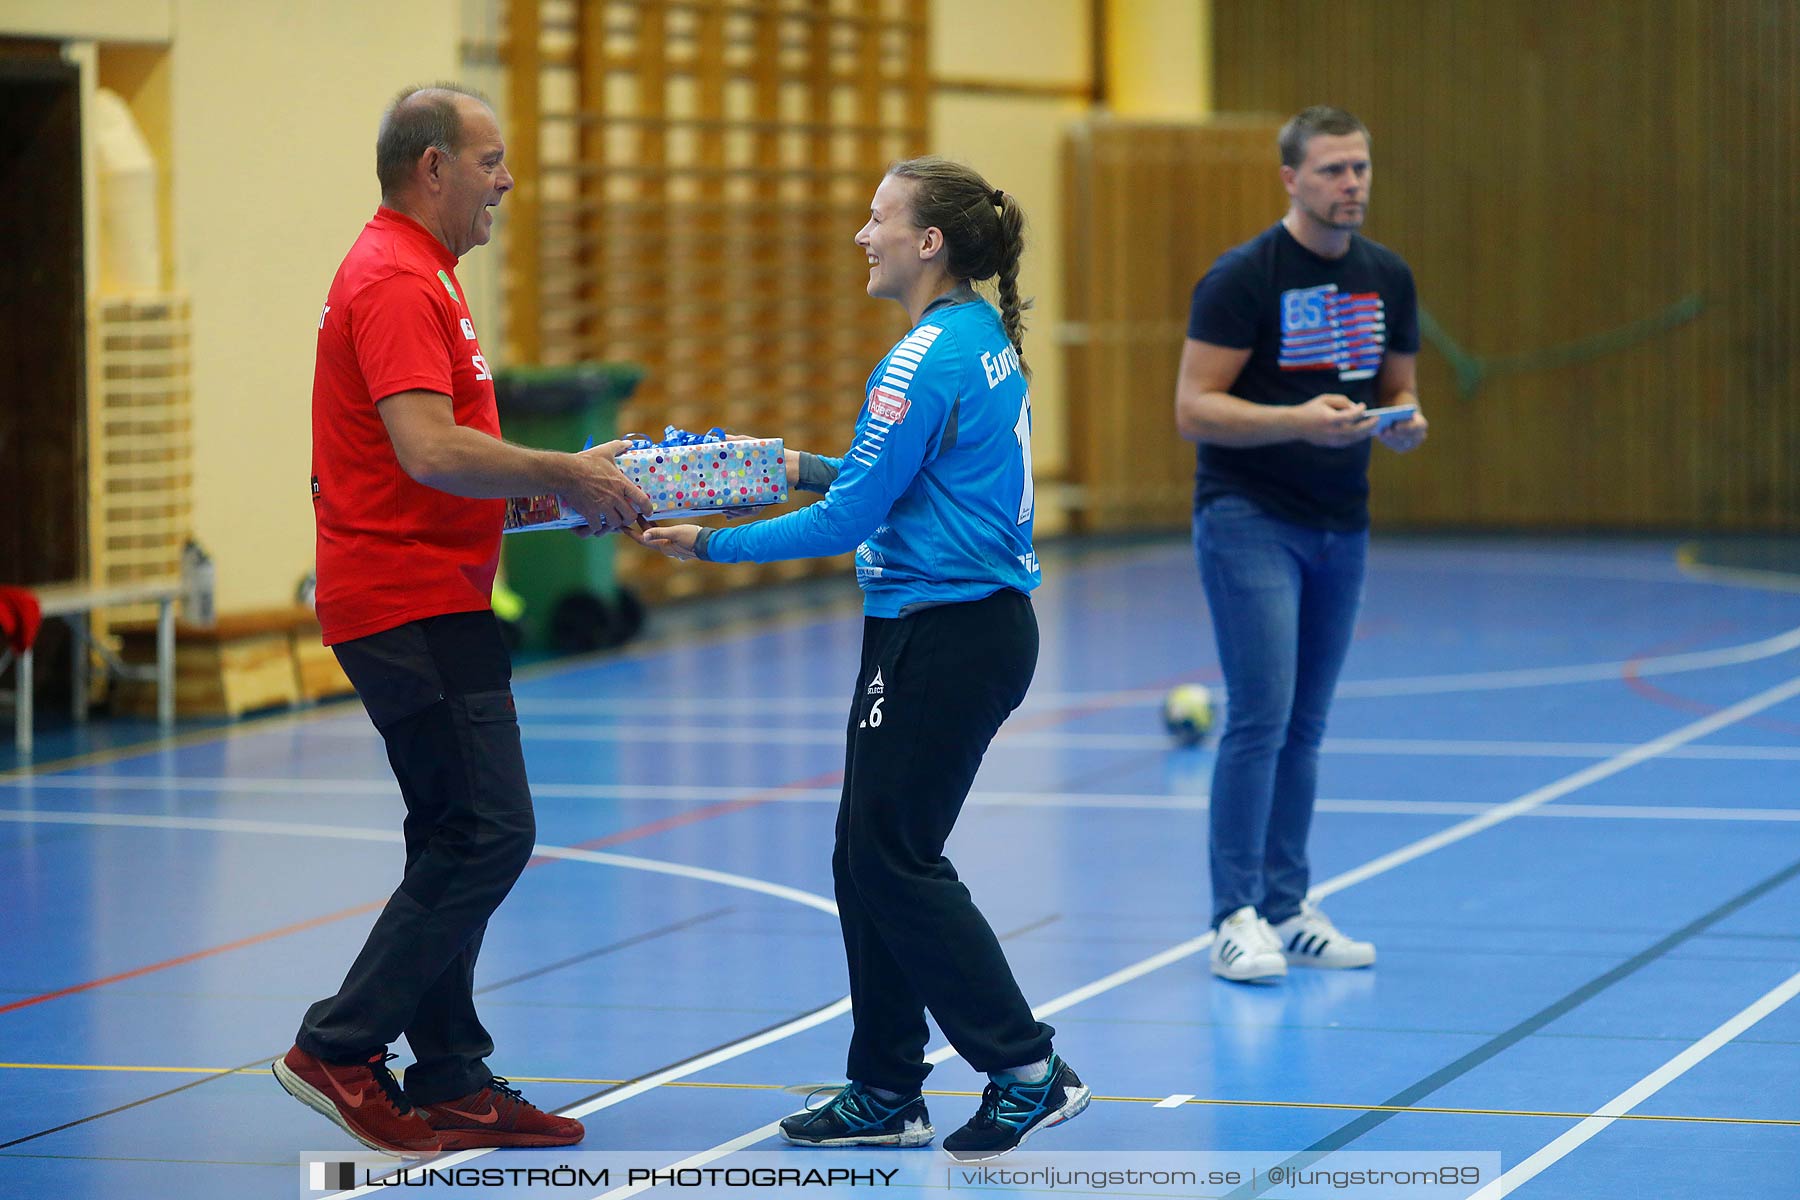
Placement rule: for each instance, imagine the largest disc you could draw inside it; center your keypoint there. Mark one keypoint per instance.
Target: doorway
(43, 382)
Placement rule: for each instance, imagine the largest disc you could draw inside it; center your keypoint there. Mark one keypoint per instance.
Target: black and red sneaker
(364, 1099)
(498, 1116)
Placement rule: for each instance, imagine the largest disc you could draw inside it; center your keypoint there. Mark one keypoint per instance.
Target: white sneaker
(1309, 939)
(1245, 950)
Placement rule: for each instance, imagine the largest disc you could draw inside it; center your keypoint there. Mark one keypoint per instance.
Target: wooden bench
(249, 660)
(73, 604)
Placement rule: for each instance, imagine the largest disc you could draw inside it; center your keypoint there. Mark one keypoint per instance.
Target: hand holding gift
(599, 492)
(676, 541)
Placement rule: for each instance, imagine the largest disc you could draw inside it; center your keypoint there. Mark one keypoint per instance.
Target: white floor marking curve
(1173, 954)
(1404, 685)
(700, 793)
(1387, 862)
(1642, 1090)
(356, 833)
(573, 853)
(1526, 561)
(789, 735)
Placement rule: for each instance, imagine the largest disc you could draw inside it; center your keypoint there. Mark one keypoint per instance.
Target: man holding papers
(1299, 342)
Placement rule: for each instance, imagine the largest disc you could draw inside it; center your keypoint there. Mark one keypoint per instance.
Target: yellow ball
(1188, 713)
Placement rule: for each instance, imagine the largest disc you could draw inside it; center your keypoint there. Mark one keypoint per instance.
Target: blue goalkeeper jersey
(935, 493)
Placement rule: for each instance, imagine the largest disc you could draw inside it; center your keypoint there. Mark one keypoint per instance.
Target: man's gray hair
(418, 119)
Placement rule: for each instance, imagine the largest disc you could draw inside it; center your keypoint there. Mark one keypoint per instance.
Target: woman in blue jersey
(934, 496)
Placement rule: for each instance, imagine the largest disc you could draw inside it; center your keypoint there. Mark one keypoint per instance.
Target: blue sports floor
(1561, 792)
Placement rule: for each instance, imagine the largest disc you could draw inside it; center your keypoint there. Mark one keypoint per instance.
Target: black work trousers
(440, 692)
(933, 689)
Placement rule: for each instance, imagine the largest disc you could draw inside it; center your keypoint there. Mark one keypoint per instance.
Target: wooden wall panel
(705, 165)
(1562, 176)
(1149, 207)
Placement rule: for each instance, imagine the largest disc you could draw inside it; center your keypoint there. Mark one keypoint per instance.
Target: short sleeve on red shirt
(391, 549)
(402, 342)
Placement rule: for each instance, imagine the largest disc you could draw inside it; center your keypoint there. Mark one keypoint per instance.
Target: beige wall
(270, 111)
(1159, 58)
(89, 20)
(273, 128)
(1017, 144)
(1157, 65)
(1015, 139)
(263, 114)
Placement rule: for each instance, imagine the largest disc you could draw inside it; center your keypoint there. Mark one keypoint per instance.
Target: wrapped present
(685, 475)
(698, 475)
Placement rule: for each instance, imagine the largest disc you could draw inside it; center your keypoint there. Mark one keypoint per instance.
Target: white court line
(773, 735)
(629, 1091)
(176, 785)
(1562, 787)
(1530, 562)
(1405, 685)
(1457, 748)
(1176, 953)
(1384, 747)
(1105, 983)
(1779, 581)
(359, 834)
(1173, 954)
(1642, 1090)
(1175, 1101)
(1387, 862)
(353, 833)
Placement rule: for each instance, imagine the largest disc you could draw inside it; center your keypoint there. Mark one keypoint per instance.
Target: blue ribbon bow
(674, 437)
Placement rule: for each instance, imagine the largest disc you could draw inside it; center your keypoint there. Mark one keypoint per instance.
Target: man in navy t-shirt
(1293, 339)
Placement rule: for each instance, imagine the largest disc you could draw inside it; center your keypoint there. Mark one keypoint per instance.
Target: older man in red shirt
(409, 480)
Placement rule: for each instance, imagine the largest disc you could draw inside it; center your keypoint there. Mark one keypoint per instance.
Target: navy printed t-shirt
(1313, 326)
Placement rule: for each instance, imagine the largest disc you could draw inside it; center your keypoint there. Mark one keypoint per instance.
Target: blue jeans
(1284, 599)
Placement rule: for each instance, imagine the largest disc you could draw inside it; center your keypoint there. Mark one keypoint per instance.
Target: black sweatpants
(440, 692)
(933, 690)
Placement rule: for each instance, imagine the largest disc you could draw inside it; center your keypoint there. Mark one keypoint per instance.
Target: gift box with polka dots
(706, 478)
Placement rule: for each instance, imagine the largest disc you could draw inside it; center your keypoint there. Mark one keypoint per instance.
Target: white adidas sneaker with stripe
(1309, 939)
(1245, 950)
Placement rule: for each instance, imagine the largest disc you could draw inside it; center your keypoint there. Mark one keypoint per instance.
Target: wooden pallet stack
(140, 447)
(244, 662)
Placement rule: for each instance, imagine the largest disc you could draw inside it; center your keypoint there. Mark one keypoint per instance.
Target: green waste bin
(572, 601)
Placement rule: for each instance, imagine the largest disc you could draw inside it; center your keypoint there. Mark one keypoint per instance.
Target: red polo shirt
(391, 550)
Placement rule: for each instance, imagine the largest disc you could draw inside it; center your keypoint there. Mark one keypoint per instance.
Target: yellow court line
(776, 1087)
(1687, 561)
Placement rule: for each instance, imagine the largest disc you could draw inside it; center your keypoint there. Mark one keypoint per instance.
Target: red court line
(1056, 716)
(611, 839)
(252, 940)
(1668, 699)
(691, 817)
(705, 813)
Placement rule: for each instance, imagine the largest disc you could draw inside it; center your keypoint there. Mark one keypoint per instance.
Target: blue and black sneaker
(857, 1117)
(1012, 1112)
